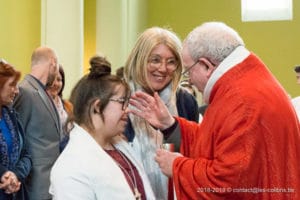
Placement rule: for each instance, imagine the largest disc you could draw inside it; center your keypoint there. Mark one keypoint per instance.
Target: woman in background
(155, 65)
(63, 106)
(96, 151)
(15, 162)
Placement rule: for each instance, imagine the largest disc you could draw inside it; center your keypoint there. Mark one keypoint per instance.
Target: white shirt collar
(236, 57)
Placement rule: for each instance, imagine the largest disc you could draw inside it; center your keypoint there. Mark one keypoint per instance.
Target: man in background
(297, 70)
(40, 121)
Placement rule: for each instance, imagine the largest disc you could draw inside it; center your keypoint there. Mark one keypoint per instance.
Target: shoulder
(187, 105)
(27, 88)
(70, 163)
(27, 81)
(11, 112)
(185, 100)
(184, 95)
(30, 83)
(296, 101)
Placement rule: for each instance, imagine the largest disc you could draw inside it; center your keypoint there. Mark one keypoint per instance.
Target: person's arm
(234, 145)
(23, 105)
(23, 166)
(169, 131)
(153, 110)
(188, 134)
(172, 135)
(2, 170)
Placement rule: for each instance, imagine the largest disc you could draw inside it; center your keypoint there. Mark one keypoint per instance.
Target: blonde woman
(155, 65)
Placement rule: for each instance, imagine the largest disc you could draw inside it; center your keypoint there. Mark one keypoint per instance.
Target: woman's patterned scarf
(147, 140)
(9, 161)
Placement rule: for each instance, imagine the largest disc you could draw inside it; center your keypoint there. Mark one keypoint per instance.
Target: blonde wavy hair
(135, 69)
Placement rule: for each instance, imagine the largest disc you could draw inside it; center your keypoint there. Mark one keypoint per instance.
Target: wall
(118, 23)
(109, 27)
(20, 31)
(62, 30)
(277, 43)
(89, 32)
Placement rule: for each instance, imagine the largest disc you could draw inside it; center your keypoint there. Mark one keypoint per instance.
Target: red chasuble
(247, 146)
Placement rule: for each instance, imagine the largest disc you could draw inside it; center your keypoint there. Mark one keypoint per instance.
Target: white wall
(118, 24)
(62, 30)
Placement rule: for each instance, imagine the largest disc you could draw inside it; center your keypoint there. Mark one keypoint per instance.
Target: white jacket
(84, 171)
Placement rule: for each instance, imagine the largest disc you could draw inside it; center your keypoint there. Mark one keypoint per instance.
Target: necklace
(131, 177)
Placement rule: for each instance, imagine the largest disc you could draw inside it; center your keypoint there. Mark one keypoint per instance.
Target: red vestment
(248, 144)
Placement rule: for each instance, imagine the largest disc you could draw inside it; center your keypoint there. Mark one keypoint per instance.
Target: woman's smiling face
(8, 91)
(160, 68)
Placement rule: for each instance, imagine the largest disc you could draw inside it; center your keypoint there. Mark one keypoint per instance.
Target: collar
(39, 82)
(236, 57)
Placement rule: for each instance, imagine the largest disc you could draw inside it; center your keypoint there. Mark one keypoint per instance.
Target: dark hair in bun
(99, 67)
(98, 84)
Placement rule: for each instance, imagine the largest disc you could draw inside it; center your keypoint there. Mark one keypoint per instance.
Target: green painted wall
(20, 31)
(89, 32)
(277, 43)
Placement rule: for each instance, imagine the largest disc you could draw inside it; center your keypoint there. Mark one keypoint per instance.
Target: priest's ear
(210, 66)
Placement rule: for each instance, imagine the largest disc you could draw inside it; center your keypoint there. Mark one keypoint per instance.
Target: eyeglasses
(123, 101)
(156, 62)
(186, 72)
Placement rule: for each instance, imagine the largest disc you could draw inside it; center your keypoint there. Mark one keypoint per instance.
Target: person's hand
(10, 182)
(165, 161)
(152, 109)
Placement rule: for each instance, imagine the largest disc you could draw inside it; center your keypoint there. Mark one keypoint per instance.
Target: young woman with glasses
(97, 163)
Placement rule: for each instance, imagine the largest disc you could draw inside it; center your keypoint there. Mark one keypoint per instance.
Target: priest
(248, 143)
